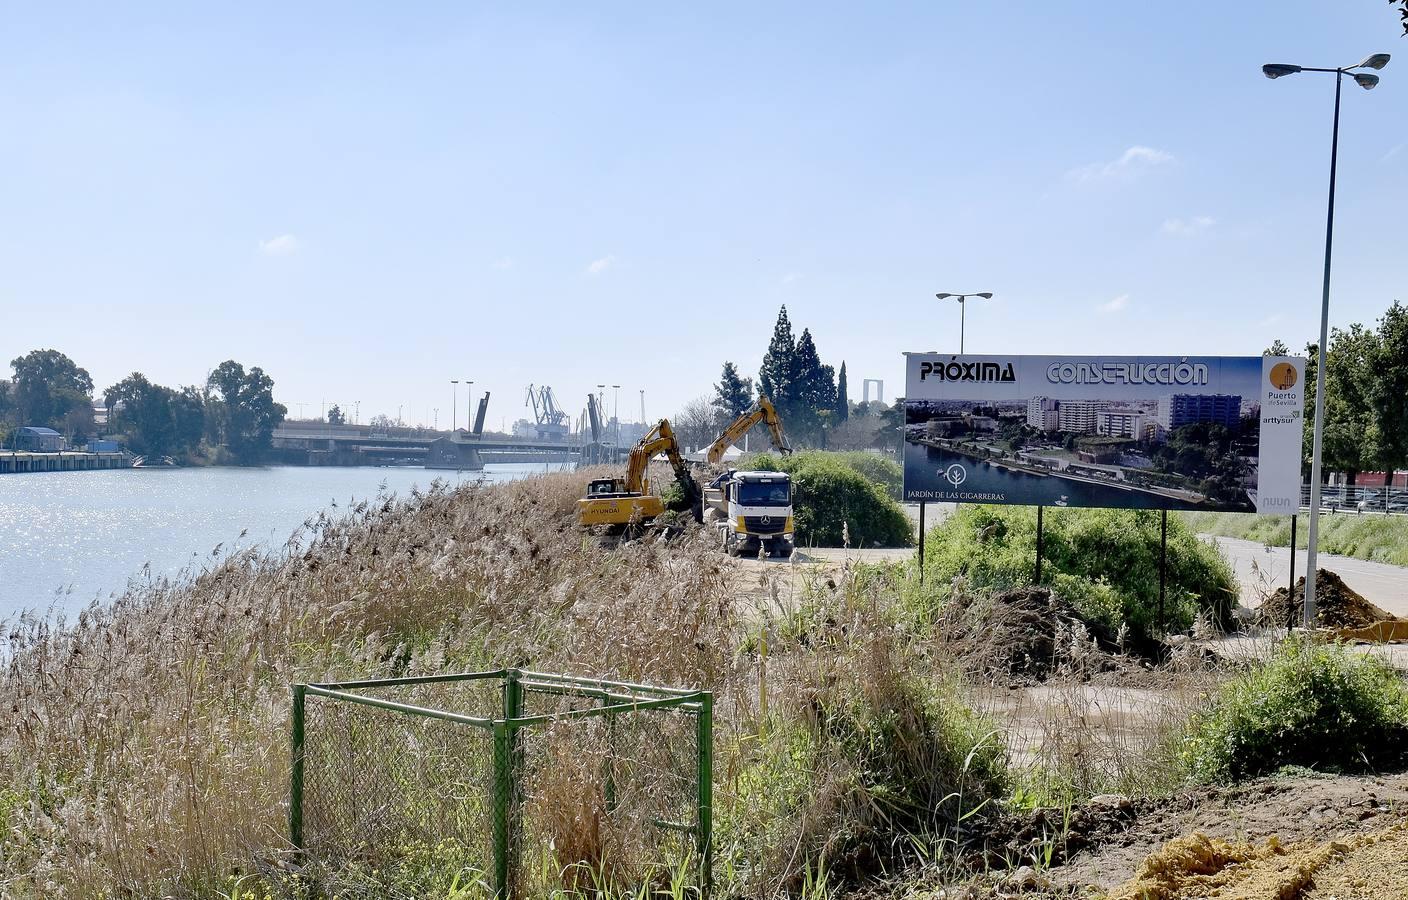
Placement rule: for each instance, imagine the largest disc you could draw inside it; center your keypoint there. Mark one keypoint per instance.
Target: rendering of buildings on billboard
(1196, 433)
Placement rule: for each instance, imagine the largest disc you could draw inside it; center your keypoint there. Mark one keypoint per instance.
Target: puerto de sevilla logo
(1283, 376)
(955, 474)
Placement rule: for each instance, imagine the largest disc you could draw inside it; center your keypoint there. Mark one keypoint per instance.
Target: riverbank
(850, 734)
(72, 538)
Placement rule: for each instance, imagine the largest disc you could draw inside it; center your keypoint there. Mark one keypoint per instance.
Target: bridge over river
(322, 444)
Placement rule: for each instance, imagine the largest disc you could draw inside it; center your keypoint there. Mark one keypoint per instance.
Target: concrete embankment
(16, 462)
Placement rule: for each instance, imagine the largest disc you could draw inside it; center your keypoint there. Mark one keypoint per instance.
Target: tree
(843, 401)
(813, 392)
(247, 413)
(382, 420)
(1277, 348)
(775, 376)
(1402, 13)
(336, 416)
(1388, 363)
(155, 420)
(697, 424)
(733, 395)
(48, 387)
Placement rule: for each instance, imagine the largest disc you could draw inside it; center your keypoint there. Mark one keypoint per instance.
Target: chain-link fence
(522, 783)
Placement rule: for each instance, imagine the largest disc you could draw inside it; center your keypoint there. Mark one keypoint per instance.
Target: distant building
(97, 446)
(1079, 416)
(982, 424)
(37, 439)
(1177, 410)
(1121, 423)
(1041, 413)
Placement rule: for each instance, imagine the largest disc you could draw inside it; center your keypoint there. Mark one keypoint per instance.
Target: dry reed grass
(147, 748)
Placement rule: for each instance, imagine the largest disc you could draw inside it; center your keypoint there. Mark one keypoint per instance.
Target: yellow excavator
(751, 510)
(626, 501)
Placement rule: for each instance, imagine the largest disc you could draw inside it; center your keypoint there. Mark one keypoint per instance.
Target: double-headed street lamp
(1366, 80)
(454, 402)
(986, 295)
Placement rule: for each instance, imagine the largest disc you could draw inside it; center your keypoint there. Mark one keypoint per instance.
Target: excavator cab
(606, 487)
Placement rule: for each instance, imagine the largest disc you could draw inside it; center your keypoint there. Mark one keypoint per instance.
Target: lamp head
(943, 296)
(1377, 61)
(986, 295)
(1368, 81)
(1276, 70)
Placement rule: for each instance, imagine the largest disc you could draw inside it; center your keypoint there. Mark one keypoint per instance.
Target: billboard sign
(1143, 432)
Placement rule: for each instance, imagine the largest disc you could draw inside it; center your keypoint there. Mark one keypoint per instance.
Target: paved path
(1262, 569)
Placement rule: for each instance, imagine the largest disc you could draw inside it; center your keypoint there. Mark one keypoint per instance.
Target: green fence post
(295, 779)
(508, 766)
(503, 789)
(704, 827)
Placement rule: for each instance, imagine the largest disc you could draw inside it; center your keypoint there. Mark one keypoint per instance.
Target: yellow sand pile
(1197, 866)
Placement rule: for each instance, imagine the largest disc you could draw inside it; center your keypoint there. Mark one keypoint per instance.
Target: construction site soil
(1295, 837)
(1336, 605)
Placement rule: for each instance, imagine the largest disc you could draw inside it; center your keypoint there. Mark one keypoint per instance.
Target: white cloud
(596, 267)
(1133, 161)
(505, 262)
(791, 277)
(283, 245)
(1270, 320)
(1184, 227)
(1394, 152)
(1116, 304)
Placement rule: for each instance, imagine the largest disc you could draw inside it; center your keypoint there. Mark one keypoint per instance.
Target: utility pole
(454, 402)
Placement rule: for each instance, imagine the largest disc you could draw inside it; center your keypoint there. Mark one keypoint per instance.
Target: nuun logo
(955, 474)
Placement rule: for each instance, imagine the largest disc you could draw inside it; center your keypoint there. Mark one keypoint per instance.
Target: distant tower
(879, 390)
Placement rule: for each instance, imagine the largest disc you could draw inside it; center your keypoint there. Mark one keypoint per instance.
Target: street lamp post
(1367, 81)
(469, 405)
(454, 402)
(986, 295)
(615, 409)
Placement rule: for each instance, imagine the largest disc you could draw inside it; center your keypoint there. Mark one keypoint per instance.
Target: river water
(68, 538)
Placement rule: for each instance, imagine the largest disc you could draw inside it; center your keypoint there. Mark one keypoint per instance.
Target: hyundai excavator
(752, 510)
(625, 501)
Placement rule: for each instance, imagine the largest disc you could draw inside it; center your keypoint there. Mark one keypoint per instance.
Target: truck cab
(753, 511)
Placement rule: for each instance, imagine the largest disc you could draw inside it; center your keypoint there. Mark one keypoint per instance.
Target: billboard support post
(1163, 566)
(1291, 588)
(1039, 523)
(921, 542)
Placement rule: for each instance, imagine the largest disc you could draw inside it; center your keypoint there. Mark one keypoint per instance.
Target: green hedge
(1319, 706)
(831, 498)
(1103, 561)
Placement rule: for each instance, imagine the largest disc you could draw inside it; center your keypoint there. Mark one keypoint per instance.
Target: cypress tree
(843, 401)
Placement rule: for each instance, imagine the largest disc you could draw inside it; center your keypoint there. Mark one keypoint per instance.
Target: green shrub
(1103, 561)
(880, 469)
(1314, 705)
(830, 499)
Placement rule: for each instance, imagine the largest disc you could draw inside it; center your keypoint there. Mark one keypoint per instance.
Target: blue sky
(368, 200)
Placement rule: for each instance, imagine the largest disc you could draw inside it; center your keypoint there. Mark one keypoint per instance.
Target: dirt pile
(1197, 866)
(1026, 635)
(1336, 605)
(1223, 836)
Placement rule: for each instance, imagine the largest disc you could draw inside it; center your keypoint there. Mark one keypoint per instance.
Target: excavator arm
(762, 411)
(660, 439)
